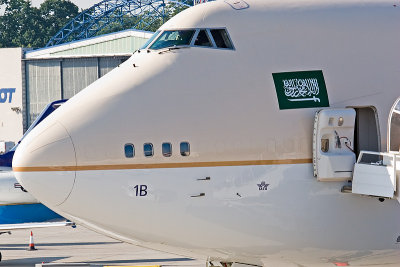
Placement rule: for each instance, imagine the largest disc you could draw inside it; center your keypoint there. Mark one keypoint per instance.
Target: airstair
(375, 174)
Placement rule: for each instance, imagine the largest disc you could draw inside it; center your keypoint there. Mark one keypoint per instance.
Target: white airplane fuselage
(246, 193)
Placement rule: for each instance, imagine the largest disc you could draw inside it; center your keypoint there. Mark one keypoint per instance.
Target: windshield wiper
(172, 48)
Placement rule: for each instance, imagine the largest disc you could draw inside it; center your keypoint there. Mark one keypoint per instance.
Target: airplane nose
(45, 162)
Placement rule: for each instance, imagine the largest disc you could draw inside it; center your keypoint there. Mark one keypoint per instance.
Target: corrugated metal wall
(43, 83)
(48, 80)
(77, 74)
(107, 64)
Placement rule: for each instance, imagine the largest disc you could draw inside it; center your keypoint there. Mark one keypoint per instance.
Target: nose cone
(44, 163)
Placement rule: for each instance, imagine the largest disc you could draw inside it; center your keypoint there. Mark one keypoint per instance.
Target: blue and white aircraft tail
(18, 208)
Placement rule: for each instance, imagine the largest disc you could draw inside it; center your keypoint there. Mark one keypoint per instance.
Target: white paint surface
(11, 127)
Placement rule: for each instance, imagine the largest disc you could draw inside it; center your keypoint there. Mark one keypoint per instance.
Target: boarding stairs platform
(377, 174)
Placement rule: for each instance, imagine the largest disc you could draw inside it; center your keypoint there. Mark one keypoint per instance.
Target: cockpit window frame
(153, 37)
(208, 36)
(212, 39)
(196, 33)
(227, 34)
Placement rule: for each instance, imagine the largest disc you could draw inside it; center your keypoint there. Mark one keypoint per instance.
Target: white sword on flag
(315, 99)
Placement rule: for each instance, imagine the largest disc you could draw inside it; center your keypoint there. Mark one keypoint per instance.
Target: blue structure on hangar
(92, 20)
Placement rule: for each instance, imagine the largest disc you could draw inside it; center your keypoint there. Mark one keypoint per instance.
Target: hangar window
(173, 38)
(202, 39)
(167, 149)
(185, 149)
(129, 150)
(221, 38)
(148, 150)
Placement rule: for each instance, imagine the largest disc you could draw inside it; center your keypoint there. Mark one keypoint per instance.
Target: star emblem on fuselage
(263, 186)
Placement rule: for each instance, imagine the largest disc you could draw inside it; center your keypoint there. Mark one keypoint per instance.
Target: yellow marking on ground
(133, 266)
(161, 165)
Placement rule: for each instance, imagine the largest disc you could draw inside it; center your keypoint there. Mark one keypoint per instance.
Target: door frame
(378, 132)
(392, 110)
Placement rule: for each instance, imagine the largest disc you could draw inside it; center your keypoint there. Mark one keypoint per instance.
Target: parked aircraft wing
(20, 226)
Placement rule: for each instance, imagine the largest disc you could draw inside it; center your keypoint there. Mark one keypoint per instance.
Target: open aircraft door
(394, 128)
(394, 141)
(380, 177)
(333, 141)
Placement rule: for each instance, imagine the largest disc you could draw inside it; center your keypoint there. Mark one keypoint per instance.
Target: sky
(82, 4)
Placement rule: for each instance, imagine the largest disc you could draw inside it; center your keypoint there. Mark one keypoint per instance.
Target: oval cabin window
(148, 150)
(185, 149)
(129, 150)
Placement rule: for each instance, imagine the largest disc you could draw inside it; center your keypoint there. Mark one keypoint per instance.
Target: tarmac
(64, 246)
(80, 247)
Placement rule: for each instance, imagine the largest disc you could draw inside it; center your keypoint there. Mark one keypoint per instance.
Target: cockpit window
(221, 38)
(173, 38)
(211, 38)
(150, 40)
(202, 39)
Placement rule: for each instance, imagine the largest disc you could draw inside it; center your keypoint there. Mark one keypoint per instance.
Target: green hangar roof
(121, 43)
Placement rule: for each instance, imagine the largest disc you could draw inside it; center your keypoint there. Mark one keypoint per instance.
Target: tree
(25, 26)
(18, 23)
(55, 14)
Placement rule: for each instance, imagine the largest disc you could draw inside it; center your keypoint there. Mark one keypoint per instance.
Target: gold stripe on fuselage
(15, 204)
(161, 165)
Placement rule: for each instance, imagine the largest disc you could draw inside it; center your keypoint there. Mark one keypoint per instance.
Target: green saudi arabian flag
(301, 89)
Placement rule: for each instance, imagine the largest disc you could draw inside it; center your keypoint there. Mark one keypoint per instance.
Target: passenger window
(221, 38)
(185, 149)
(167, 149)
(129, 150)
(148, 150)
(202, 39)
